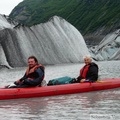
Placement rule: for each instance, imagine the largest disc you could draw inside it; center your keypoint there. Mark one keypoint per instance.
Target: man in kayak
(89, 72)
(34, 75)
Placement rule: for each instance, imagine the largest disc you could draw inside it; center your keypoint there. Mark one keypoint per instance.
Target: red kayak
(15, 93)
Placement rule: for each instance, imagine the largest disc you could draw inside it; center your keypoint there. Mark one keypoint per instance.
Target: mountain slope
(86, 15)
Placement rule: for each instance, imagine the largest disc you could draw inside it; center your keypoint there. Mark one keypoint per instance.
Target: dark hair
(33, 57)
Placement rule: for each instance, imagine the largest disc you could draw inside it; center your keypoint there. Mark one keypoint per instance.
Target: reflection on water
(66, 107)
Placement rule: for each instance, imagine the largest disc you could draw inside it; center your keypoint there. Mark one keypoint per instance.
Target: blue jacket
(35, 78)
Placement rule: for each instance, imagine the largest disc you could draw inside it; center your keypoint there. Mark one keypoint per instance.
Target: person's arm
(17, 82)
(93, 74)
(38, 80)
(23, 78)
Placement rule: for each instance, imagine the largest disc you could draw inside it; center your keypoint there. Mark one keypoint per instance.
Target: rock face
(109, 47)
(53, 42)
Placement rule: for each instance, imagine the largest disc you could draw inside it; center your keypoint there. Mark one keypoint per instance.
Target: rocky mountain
(98, 17)
(57, 40)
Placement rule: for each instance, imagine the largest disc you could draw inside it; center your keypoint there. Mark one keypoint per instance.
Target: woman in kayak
(34, 75)
(89, 72)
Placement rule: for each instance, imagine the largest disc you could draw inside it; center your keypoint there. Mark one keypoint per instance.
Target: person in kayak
(89, 72)
(34, 75)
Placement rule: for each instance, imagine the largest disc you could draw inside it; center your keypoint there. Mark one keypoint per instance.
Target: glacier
(108, 48)
(53, 42)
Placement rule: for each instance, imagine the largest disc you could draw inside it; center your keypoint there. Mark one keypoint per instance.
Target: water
(98, 105)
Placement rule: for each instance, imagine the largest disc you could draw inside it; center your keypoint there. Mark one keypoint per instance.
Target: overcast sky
(6, 6)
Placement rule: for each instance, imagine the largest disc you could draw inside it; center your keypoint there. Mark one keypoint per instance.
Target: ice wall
(53, 42)
(109, 48)
(4, 23)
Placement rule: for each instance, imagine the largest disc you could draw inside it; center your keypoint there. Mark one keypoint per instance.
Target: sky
(6, 6)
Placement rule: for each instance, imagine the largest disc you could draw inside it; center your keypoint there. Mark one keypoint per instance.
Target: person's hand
(29, 78)
(18, 81)
(83, 80)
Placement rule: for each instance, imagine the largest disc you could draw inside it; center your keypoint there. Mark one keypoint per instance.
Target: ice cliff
(109, 47)
(53, 42)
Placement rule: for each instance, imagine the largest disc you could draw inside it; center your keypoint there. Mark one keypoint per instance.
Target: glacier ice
(109, 47)
(53, 42)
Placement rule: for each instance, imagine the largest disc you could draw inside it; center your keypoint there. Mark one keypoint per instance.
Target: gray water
(98, 105)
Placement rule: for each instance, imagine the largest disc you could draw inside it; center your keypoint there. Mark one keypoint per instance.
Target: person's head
(87, 60)
(32, 61)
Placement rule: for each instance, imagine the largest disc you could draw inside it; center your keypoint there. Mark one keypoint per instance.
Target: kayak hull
(15, 93)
